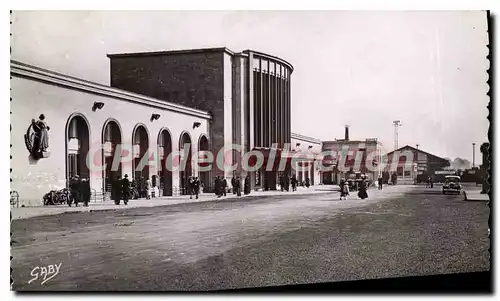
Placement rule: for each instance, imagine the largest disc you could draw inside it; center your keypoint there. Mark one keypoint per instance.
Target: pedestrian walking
(74, 186)
(238, 186)
(247, 189)
(85, 190)
(218, 186)
(307, 183)
(125, 189)
(196, 186)
(379, 182)
(149, 187)
(190, 186)
(362, 194)
(282, 183)
(344, 190)
(116, 190)
(287, 183)
(294, 183)
(224, 186)
(233, 182)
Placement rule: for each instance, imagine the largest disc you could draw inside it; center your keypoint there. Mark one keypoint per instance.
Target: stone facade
(60, 98)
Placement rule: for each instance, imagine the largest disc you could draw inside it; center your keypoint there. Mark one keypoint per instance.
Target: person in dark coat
(362, 194)
(196, 186)
(307, 183)
(125, 189)
(233, 181)
(85, 187)
(380, 185)
(294, 183)
(224, 186)
(190, 186)
(116, 190)
(75, 187)
(287, 183)
(218, 186)
(238, 186)
(247, 185)
(282, 183)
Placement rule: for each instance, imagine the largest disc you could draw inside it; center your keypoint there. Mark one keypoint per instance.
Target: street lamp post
(473, 155)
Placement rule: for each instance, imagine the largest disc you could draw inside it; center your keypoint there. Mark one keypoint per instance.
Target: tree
(460, 163)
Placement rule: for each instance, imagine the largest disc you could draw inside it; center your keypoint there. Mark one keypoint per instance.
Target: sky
(364, 69)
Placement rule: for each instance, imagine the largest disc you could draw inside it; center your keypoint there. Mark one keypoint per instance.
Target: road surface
(280, 240)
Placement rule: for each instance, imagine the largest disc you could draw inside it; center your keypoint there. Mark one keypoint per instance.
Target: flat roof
(200, 50)
(305, 138)
(70, 82)
(171, 52)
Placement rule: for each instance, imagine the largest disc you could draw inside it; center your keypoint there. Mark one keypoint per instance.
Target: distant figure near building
(196, 187)
(362, 194)
(149, 188)
(125, 189)
(247, 185)
(238, 186)
(85, 187)
(218, 186)
(224, 186)
(380, 182)
(344, 190)
(294, 183)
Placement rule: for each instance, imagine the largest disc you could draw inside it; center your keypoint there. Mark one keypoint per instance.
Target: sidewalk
(475, 195)
(27, 212)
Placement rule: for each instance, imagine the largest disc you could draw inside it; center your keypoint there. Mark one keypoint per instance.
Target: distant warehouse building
(413, 165)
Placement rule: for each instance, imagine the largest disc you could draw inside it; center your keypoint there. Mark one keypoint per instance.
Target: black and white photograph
(197, 150)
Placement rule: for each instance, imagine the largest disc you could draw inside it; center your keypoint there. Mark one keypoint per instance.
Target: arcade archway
(77, 147)
(165, 171)
(185, 141)
(111, 140)
(140, 166)
(203, 146)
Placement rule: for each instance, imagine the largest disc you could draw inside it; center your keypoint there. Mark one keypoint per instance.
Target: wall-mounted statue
(37, 138)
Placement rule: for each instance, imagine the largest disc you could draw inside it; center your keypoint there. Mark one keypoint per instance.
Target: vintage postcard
(218, 150)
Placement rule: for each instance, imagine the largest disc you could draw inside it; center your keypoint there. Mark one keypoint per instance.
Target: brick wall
(191, 79)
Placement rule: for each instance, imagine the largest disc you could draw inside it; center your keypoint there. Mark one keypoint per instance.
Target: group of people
(221, 187)
(362, 189)
(286, 181)
(80, 191)
(193, 186)
(120, 190)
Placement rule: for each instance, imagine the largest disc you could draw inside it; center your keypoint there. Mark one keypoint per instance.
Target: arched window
(77, 147)
(165, 169)
(111, 140)
(185, 142)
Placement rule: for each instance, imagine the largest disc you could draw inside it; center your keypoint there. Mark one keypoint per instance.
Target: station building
(82, 117)
(210, 99)
(247, 94)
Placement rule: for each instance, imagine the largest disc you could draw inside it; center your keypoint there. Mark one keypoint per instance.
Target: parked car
(452, 185)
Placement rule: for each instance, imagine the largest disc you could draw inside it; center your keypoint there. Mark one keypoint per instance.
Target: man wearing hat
(125, 189)
(74, 186)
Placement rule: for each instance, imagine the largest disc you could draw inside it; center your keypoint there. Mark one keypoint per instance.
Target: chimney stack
(347, 133)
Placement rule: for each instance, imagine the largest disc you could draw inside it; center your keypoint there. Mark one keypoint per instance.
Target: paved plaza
(271, 240)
